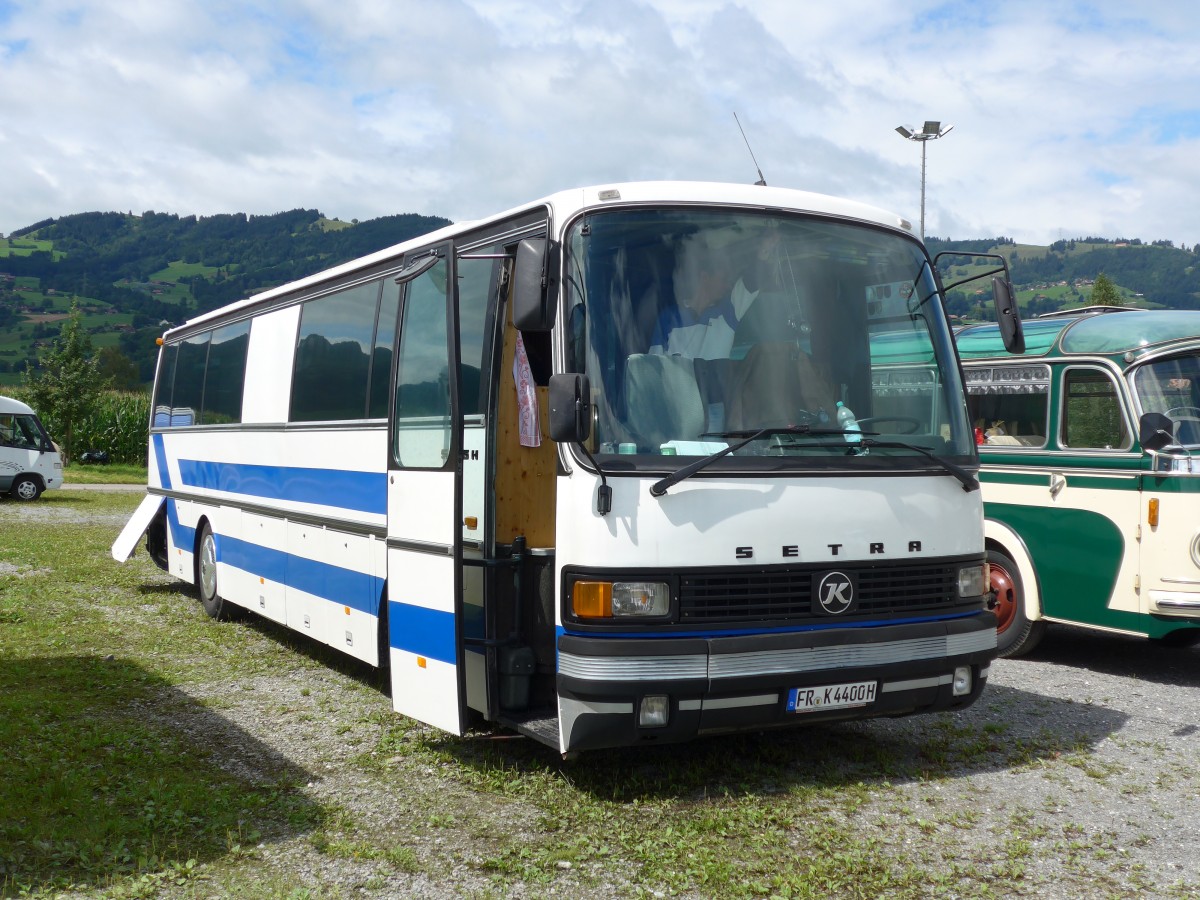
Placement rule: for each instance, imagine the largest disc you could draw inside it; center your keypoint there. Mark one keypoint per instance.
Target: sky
(1070, 119)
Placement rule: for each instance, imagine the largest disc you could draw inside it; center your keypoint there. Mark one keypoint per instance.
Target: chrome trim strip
(807, 659)
(1177, 604)
(770, 662)
(915, 683)
(632, 668)
(736, 702)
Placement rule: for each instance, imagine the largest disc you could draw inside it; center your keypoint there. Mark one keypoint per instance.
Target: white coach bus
(588, 468)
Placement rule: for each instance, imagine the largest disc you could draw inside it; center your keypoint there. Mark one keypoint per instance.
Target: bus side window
(1011, 408)
(1092, 418)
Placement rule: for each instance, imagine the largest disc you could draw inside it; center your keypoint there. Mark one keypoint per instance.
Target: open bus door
(425, 609)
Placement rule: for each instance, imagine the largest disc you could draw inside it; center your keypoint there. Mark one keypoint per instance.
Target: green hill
(130, 273)
(1060, 275)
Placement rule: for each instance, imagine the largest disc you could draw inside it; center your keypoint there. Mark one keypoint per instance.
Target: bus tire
(25, 488)
(206, 576)
(1016, 633)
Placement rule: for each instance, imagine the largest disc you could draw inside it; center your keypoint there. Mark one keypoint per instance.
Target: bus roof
(565, 204)
(14, 407)
(1089, 333)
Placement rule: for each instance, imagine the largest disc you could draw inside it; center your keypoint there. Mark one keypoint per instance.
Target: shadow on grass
(110, 773)
(1008, 728)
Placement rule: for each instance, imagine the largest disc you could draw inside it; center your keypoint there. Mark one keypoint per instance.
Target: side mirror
(534, 283)
(1155, 431)
(570, 408)
(1008, 316)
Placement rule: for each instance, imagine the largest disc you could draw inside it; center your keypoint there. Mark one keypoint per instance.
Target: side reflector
(421, 662)
(1152, 512)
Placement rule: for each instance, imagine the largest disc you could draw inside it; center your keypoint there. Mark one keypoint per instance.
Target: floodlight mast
(930, 131)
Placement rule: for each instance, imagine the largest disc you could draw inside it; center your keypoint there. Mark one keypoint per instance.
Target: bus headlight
(613, 599)
(971, 581)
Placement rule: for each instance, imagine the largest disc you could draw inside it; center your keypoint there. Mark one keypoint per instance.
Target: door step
(539, 724)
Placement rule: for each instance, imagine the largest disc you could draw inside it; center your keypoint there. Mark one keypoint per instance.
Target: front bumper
(742, 682)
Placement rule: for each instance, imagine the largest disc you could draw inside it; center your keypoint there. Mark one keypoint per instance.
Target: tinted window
(226, 374)
(164, 385)
(333, 355)
(188, 396)
(1092, 418)
(422, 381)
(474, 292)
(385, 342)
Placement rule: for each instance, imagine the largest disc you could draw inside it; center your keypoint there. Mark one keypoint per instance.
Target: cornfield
(118, 423)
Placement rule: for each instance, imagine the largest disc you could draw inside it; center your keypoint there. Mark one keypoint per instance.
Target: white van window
(20, 431)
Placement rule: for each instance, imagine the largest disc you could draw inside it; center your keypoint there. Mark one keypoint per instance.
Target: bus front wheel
(206, 576)
(1016, 633)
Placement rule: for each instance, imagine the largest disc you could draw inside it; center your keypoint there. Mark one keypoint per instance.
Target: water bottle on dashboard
(848, 424)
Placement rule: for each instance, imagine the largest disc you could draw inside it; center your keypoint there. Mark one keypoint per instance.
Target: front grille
(784, 593)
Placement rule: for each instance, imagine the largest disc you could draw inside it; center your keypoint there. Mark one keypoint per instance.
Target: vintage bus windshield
(1172, 387)
(699, 325)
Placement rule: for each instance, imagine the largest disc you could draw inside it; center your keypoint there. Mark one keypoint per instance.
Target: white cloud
(1069, 120)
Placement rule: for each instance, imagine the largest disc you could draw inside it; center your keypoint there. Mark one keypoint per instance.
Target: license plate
(831, 696)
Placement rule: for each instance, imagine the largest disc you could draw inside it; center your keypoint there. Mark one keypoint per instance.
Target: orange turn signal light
(592, 599)
(1152, 512)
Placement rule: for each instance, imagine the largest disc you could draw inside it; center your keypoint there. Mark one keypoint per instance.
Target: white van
(29, 461)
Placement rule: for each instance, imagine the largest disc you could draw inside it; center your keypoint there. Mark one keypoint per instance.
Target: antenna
(761, 181)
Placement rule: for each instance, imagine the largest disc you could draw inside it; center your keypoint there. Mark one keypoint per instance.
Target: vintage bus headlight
(971, 581)
(620, 599)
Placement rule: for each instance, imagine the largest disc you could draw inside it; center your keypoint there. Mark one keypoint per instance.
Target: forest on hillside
(1163, 274)
(132, 273)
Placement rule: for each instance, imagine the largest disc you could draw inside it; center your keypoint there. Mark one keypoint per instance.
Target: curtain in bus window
(333, 355)
(423, 378)
(226, 375)
(188, 396)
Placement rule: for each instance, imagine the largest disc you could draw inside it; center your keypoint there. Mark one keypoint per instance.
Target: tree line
(1165, 274)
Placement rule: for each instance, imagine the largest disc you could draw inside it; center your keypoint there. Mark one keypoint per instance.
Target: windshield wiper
(969, 482)
(660, 487)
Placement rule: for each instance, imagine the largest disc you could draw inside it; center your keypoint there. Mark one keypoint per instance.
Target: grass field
(113, 473)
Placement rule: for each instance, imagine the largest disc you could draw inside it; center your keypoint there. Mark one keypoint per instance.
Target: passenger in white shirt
(701, 326)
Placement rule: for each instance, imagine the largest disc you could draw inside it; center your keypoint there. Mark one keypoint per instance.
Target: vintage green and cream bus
(1089, 444)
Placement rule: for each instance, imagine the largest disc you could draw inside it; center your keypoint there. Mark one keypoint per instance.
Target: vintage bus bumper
(718, 684)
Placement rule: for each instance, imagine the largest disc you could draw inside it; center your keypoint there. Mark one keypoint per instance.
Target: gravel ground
(1116, 815)
(1111, 810)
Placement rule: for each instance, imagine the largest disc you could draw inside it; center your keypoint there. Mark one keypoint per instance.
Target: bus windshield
(697, 327)
(1172, 387)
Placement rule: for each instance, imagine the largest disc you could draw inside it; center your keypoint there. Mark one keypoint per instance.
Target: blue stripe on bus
(182, 537)
(359, 491)
(346, 587)
(160, 457)
(423, 631)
